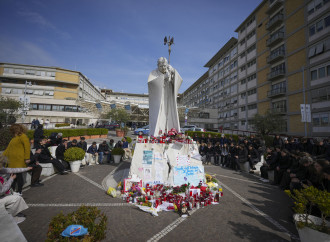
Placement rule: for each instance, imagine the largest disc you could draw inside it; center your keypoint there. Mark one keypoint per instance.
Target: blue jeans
(101, 157)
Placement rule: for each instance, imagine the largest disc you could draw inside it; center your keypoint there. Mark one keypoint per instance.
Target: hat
(60, 134)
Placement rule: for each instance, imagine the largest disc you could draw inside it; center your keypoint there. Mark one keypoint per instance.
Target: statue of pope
(163, 87)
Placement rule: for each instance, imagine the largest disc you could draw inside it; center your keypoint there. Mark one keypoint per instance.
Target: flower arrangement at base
(163, 197)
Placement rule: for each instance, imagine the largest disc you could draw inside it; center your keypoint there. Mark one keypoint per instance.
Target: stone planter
(75, 165)
(307, 234)
(116, 158)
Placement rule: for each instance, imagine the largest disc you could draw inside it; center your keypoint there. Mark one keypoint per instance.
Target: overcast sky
(116, 43)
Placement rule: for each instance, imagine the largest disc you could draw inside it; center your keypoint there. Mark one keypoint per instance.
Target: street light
(26, 102)
(169, 42)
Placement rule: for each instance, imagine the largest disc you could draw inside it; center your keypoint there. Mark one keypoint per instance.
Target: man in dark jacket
(253, 156)
(59, 152)
(36, 169)
(104, 150)
(82, 144)
(278, 142)
(46, 157)
(92, 154)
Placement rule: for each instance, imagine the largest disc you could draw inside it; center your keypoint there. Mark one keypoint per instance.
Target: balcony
(278, 55)
(275, 38)
(276, 92)
(279, 110)
(274, 5)
(277, 19)
(276, 74)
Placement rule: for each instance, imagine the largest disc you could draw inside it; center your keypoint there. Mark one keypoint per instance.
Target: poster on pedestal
(188, 174)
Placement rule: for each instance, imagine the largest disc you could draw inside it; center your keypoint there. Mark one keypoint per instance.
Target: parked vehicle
(109, 126)
(187, 128)
(144, 130)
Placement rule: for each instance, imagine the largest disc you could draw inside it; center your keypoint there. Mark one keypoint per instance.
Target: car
(109, 126)
(199, 129)
(144, 130)
(188, 128)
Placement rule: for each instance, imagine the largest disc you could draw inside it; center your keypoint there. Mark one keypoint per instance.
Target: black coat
(38, 133)
(45, 154)
(60, 152)
(285, 162)
(242, 155)
(82, 145)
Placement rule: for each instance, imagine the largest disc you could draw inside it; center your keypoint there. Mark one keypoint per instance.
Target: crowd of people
(18, 158)
(294, 163)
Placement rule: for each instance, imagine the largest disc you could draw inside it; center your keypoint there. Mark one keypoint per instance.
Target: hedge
(62, 125)
(213, 134)
(70, 132)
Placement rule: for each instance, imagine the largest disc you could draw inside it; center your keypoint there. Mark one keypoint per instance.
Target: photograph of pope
(163, 88)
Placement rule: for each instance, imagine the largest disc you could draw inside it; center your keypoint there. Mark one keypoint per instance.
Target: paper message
(159, 167)
(185, 174)
(158, 156)
(147, 173)
(147, 157)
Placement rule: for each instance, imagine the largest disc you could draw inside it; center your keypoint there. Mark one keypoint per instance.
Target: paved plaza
(249, 210)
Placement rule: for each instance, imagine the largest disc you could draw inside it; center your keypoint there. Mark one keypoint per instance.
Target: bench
(9, 230)
(244, 166)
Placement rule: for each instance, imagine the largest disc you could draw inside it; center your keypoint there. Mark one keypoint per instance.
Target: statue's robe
(163, 112)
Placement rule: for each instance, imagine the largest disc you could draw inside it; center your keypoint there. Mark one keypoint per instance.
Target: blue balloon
(74, 230)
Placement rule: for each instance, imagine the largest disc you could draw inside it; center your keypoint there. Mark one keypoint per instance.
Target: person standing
(36, 169)
(38, 133)
(18, 153)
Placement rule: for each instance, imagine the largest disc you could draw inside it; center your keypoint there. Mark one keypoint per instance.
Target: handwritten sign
(185, 174)
(147, 157)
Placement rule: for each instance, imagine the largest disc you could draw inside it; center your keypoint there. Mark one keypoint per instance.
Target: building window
(251, 63)
(321, 119)
(319, 25)
(250, 49)
(251, 77)
(314, 75)
(251, 92)
(243, 108)
(9, 70)
(243, 81)
(242, 42)
(320, 95)
(243, 94)
(252, 106)
(243, 68)
(19, 71)
(250, 35)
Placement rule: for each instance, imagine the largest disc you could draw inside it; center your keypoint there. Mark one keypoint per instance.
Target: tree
(268, 123)
(119, 115)
(8, 110)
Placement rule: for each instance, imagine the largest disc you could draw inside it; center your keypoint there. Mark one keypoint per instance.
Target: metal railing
(276, 19)
(275, 38)
(275, 74)
(276, 92)
(276, 55)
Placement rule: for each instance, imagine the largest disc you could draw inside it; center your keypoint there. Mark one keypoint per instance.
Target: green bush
(6, 136)
(74, 153)
(62, 125)
(213, 134)
(90, 217)
(117, 151)
(70, 132)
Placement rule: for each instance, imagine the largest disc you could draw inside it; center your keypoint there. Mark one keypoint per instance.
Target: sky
(116, 43)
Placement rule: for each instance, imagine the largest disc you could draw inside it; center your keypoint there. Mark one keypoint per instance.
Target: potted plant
(74, 155)
(311, 228)
(88, 216)
(117, 153)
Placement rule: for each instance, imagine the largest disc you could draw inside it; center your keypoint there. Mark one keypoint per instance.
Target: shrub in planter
(73, 154)
(117, 151)
(90, 217)
(305, 200)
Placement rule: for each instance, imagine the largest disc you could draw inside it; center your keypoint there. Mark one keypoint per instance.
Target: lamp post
(169, 42)
(25, 101)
